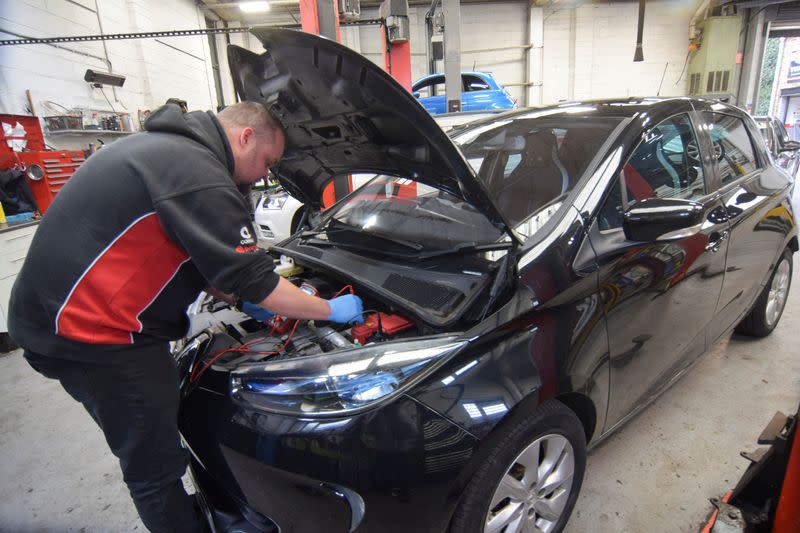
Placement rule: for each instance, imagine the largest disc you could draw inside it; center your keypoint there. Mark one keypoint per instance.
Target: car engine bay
(233, 338)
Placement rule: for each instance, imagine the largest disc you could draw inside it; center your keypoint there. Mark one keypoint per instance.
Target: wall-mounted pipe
(702, 12)
(638, 55)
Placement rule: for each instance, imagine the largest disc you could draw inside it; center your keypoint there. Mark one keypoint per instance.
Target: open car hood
(345, 115)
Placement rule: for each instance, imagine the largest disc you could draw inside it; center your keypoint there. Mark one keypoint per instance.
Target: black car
(532, 281)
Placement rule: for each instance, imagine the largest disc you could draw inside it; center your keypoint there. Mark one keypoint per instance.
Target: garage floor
(655, 474)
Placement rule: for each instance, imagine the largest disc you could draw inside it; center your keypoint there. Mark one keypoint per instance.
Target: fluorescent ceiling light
(254, 7)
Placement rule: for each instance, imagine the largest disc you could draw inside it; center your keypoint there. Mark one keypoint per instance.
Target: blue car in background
(479, 91)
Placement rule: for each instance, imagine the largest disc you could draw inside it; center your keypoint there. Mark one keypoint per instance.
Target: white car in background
(278, 214)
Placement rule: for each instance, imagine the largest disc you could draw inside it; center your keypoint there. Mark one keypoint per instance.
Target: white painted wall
(603, 39)
(605, 36)
(155, 69)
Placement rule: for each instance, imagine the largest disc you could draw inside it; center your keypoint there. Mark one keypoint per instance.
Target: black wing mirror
(789, 146)
(662, 219)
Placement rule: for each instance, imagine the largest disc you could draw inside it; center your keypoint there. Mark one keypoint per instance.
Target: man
(140, 229)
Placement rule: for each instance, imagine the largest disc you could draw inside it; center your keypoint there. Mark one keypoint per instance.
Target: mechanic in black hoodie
(137, 233)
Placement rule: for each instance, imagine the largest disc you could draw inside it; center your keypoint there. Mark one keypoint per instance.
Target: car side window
(665, 164)
(733, 146)
(474, 83)
(431, 87)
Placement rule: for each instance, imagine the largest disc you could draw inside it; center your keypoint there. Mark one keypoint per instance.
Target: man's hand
(257, 312)
(346, 309)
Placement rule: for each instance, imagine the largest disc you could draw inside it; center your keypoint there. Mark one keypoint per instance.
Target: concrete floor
(655, 474)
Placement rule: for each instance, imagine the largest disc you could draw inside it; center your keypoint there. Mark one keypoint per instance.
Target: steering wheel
(693, 151)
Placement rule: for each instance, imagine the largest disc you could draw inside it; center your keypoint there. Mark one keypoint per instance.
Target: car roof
(658, 108)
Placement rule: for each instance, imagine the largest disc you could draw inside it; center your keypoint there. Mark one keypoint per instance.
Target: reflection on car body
(785, 151)
(532, 282)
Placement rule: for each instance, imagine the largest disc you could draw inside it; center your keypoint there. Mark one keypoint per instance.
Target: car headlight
(274, 202)
(337, 383)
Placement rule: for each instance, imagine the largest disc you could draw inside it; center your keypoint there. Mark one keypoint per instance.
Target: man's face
(256, 155)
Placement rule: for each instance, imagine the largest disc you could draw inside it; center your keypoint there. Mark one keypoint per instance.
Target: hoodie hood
(344, 115)
(200, 126)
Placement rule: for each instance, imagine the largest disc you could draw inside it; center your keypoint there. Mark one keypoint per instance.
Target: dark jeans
(134, 398)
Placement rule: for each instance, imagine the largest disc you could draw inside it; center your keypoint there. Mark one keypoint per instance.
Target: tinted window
(666, 164)
(733, 147)
(529, 163)
(474, 83)
(432, 87)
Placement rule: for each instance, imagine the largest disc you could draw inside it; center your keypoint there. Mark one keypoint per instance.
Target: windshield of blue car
(529, 163)
(402, 216)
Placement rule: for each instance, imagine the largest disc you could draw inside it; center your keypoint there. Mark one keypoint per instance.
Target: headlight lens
(274, 202)
(338, 382)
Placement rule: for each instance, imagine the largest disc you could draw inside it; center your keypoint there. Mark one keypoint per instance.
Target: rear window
(528, 164)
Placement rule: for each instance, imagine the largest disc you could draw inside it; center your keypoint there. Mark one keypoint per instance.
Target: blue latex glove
(347, 308)
(256, 311)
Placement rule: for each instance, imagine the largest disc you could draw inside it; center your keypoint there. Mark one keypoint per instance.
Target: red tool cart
(47, 170)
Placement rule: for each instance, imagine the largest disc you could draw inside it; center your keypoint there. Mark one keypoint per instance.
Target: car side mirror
(662, 219)
(416, 94)
(790, 146)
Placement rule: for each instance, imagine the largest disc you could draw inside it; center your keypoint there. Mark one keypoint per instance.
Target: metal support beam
(320, 17)
(535, 72)
(573, 58)
(452, 54)
(396, 45)
(757, 30)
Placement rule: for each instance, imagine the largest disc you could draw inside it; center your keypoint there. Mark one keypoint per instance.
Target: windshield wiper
(468, 248)
(359, 247)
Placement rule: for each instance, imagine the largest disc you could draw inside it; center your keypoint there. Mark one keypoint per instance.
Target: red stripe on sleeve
(104, 305)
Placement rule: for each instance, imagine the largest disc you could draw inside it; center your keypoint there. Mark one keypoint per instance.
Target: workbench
(15, 239)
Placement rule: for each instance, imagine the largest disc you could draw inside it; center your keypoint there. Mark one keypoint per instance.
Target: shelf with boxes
(89, 121)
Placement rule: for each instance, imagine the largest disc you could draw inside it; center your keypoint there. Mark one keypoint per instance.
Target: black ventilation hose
(638, 55)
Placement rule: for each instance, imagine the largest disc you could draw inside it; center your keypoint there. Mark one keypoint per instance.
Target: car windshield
(529, 163)
(405, 216)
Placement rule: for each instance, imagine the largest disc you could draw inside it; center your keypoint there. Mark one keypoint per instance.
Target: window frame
(429, 83)
(620, 178)
(760, 151)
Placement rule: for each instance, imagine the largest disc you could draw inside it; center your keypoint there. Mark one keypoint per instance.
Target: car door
(476, 94)
(431, 94)
(658, 296)
(750, 189)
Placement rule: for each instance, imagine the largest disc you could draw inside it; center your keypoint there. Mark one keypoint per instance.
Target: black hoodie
(138, 231)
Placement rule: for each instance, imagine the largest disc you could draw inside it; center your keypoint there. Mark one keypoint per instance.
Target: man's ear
(246, 135)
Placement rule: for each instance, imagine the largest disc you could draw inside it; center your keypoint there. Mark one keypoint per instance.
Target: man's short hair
(250, 115)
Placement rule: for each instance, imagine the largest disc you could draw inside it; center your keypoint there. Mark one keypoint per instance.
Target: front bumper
(398, 468)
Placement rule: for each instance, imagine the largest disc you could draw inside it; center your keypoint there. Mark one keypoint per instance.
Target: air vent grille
(423, 293)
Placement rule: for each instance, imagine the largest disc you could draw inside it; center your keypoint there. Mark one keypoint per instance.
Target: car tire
(768, 309)
(495, 493)
(296, 219)
(7, 344)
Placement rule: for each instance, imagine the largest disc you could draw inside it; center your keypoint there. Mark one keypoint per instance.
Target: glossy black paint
(654, 218)
(592, 319)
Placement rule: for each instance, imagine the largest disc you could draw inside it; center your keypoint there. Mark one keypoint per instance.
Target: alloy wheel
(778, 292)
(533, 493)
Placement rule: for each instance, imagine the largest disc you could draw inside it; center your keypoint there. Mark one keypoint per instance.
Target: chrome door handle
(713, 246)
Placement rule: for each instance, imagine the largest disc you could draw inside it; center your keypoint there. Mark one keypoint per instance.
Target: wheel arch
(584, 409)
(793, 244)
